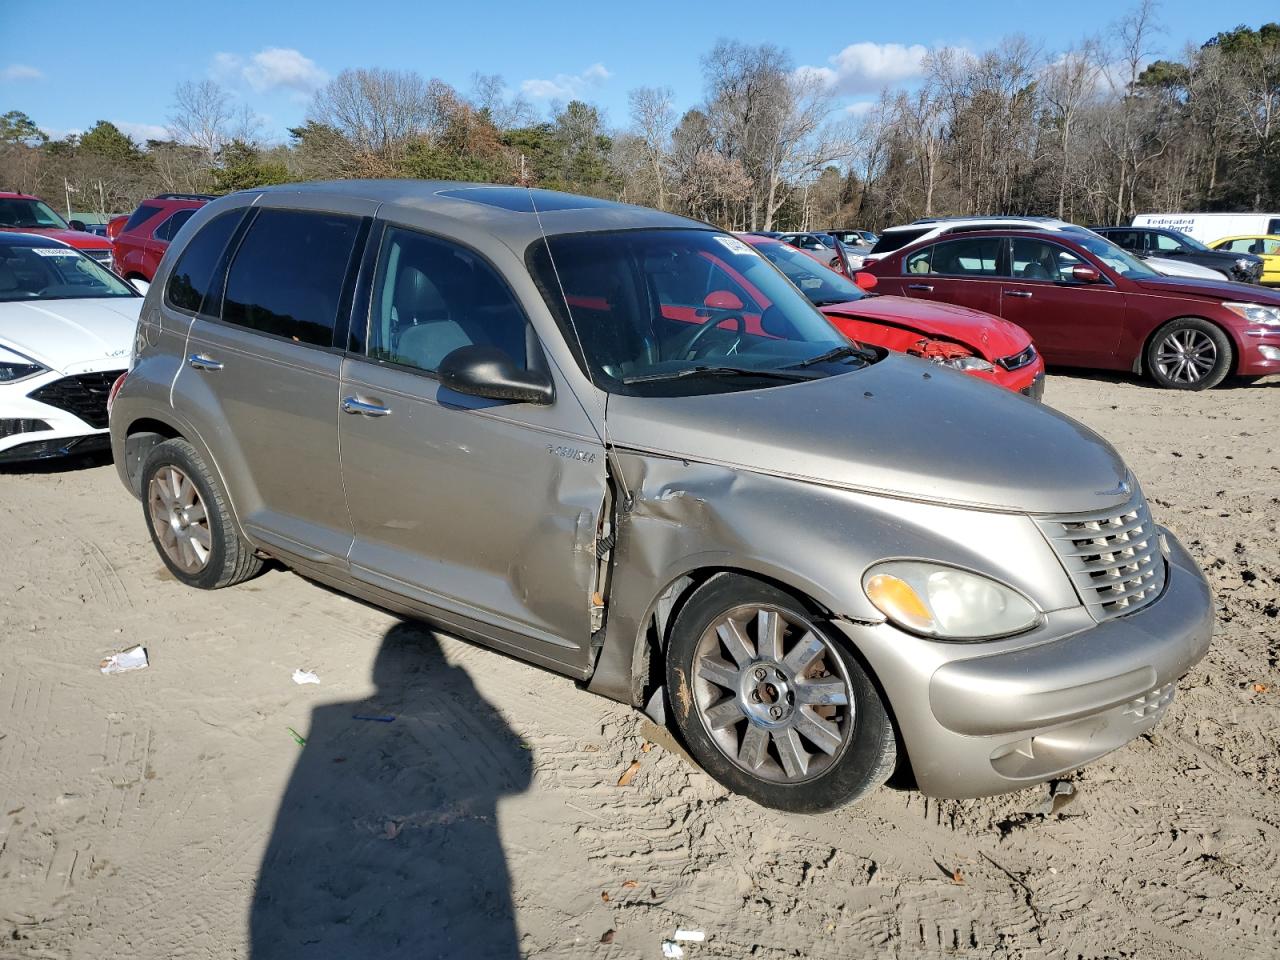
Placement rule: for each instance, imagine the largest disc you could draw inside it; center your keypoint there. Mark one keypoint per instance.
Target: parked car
(854, 238)
(97, 229)
(28, 214)
(66, 327)
(1087, 303)
(1172, 245)
(141, 242)
(810, 241)
(1207, 227)
(560, 435)
(1265, 247)
(976, 343)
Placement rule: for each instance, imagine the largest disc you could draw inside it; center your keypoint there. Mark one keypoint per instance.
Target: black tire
(230, 559)
(1206, 366)
(868, 751)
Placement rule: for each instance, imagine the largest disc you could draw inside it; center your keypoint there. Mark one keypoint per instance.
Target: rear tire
(772, 703)
(190, 523)
(1189, 354)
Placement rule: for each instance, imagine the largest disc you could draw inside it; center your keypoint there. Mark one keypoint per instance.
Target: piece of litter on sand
(671, 949)
(135, 658)
(386, 718)
(694, 936)
(301, 676)
(301, 740)
(1061, 793)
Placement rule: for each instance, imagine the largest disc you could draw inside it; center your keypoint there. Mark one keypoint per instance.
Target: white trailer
(1208, 227)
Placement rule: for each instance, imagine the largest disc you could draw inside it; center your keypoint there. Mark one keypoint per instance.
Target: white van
(1208, 227)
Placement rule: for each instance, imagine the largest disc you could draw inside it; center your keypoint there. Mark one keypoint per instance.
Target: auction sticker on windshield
(54, 252)
(733, 245)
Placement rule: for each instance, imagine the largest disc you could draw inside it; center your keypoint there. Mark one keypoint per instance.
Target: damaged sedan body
(620, 444)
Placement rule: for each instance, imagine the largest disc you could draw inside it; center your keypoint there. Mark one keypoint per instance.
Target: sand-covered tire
(189, 520)
(771, 702)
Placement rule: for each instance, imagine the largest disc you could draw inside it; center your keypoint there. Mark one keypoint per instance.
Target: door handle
(354, 405)
(920, 286)
(199, 361)
(1025, 294)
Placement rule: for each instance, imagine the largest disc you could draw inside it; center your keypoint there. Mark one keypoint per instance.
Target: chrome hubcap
(772, 693)
(179, 519)
(1186, 356)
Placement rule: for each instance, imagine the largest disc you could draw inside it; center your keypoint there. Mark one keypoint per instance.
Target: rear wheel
(772, 703)
(1189, 354)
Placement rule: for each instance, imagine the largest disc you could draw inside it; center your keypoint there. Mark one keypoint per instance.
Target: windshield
(54, 273)
(1125, 264)
(645, 309)
(821, 285)
(17, 213)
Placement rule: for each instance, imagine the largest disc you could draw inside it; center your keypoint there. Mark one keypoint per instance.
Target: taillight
(115, 388)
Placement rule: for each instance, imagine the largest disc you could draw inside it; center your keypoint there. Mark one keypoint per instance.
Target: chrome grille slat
(1113, 557)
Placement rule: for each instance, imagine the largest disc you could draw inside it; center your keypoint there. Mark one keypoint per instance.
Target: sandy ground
(169, 813)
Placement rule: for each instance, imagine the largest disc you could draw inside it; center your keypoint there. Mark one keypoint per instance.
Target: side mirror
(1081, 273)
(489, 372)
(76, 225)
(864, 280)
(140, 285)
(722, 300)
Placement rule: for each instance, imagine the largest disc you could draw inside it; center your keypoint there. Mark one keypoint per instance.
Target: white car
(66, 333)
(1181, 268)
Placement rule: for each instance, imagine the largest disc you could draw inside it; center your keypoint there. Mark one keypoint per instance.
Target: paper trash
(304, 676)
(135, 658)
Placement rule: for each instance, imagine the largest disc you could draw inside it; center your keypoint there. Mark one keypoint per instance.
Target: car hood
(79, 239)
(989, 336)
(901, 427)
(1182, 268)
(71, 336)
(1213, 289)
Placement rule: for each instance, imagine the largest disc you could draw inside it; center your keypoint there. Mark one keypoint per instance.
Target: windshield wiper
(716, 372)
(836, 353)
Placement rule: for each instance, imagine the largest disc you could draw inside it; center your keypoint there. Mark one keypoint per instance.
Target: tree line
(1094, 133)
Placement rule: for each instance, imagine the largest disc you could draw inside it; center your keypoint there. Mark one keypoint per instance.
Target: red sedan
(982, 345)
(1090, 304)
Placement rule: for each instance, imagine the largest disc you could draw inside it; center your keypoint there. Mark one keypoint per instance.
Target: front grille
(85, 395)
(1018, 360)
(11, 428)
(1114, 558)
(103, 257)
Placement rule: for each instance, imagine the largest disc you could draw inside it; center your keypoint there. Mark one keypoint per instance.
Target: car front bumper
(33, 429)
(977, 723)
(1259, 352)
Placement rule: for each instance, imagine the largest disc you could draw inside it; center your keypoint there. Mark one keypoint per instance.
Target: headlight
(968, 363)
(1244, 266)
(15, 367)
(945, 602)
(1256, 313)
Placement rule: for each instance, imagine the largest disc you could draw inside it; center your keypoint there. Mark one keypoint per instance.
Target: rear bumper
(976, 725)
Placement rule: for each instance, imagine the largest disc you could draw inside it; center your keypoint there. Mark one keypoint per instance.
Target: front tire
(189, 520)
(1189, 354)
(772, 703)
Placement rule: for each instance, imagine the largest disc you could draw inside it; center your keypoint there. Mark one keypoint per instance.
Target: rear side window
(1128, 239)
(170, 227)
(432, 297)
(974, 257)
(1273, 226)
(288, 274)
(140, 216)
(892, 240)
(192, 275)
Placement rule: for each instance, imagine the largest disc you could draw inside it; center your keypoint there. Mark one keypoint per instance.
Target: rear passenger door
(260, 380)
(964, 271)
(480, 510)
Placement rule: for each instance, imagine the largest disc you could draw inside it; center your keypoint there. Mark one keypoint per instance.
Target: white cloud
(20, 71)
(867, 67)
(859, 107)
(565, 85)
(142, 132)
(274, 68)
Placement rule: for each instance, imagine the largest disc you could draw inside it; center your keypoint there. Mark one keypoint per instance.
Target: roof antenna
(586, 364)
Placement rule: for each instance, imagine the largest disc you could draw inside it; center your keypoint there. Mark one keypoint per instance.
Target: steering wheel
(713, 324)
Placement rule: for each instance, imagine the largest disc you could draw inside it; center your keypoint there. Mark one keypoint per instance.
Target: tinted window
(140, 216)
(1129, 239)
(288, 274)
(897, 239)
(432, 297)
(969, 257)
(1041, 260)
(192, 275)
(170, 227)
(1273, 226)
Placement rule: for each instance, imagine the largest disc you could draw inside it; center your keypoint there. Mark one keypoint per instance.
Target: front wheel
(1189, 354)
(772, 703)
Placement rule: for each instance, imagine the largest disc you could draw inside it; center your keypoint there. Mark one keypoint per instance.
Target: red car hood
(77, 238)
(1216, 290)
(987, 335)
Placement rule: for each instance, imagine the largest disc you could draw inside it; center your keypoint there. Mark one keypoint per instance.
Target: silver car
(619, 444)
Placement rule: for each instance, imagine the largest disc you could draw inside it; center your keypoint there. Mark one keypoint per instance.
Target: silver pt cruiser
(619, 444)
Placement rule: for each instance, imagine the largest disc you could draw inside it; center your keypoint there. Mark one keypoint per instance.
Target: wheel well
(144, 434)
(1140, 365)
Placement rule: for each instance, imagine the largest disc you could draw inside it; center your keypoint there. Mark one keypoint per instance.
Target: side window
(1240, 245)
(288, 275)
(192, 275)
(1040, 260)
(171, 226)
(971, 257)
(1273, 226)
(919, 262)
(1162, 241)
(1270, 247)
(1125, 239)
(140, 216)
(431, 297)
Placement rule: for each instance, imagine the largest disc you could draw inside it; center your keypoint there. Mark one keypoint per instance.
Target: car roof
(15, 239)
(519, 215)
(11, 195)
(1250, 236)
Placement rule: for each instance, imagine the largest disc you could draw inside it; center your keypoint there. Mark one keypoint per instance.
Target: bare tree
(378, 111)
(489, 94)
(1069, 84)
(202, 116)
(652, 119)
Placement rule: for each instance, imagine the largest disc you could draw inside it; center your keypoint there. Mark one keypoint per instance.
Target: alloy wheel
(1186, 356)
(180, 519)
(773, 693)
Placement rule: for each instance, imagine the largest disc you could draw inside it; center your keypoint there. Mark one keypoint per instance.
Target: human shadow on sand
(386, 843)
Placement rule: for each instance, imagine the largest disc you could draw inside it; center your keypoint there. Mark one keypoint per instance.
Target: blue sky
(67, 68)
